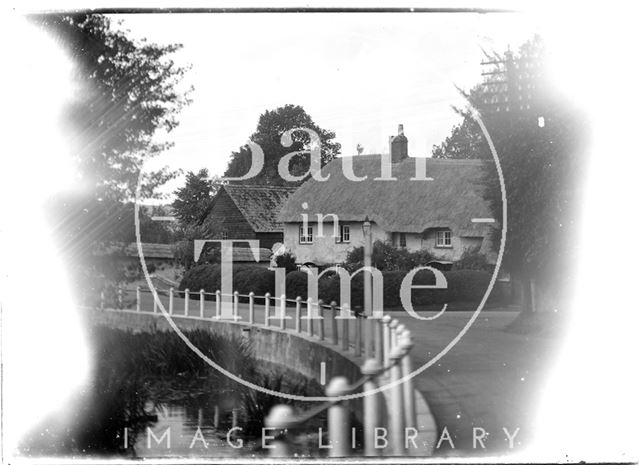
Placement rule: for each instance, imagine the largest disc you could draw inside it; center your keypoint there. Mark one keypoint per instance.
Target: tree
(127, 93)
(195, 199)
(271, 126)
(192, 204)
(540, 160)
(465, 142)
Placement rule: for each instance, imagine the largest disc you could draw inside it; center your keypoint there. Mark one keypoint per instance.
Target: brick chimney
(398, 146)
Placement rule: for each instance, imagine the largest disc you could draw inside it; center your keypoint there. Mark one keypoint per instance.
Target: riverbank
(138, 376)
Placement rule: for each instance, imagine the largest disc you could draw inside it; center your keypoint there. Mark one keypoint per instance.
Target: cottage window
(306, 237)
(345, 234)
(443, 238)
(402, 240)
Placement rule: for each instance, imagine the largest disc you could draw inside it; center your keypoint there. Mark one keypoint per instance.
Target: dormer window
(443, 238)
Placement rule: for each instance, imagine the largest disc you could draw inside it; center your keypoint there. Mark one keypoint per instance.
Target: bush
(467, 284)
(296, 284)
(462, 286)
(386, 257)
(472, 259)
(254, 279)
(287, 261)
(205, 277)
(245, 279)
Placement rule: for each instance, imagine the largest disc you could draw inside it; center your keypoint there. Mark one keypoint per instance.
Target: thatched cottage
(444, 215)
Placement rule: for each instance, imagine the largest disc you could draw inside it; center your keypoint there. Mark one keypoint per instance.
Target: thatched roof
(451, 200)
(260, 204)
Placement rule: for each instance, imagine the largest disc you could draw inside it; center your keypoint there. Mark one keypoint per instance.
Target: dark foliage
(296, 284)
(254, 279)
(256, 405)
(195, 199)
(541, 166)
(245, 279)
(125, 92)
(287, 261)
(472, 259)
(462, 286)
(128, 370)
(271, 125)
(385, 257)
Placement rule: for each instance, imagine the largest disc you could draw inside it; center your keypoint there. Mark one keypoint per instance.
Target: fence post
(345, 331)
(377, 340)
(218, 303)
(321, 320)
(234, 418)
(334, 325)
(392, 334)
(371, 406)
(368, 336)
(170, 301)
(155, 301)
(309, 320)
(138, 299)
(280, 417)
(201, 303)
(338, 418)
(267, 296)
(186, 302)
(251, 307)
(396, 421)
(298, 314)
(358, 340)
(283, 311)
(386, 338)
(236, 303)
(406, 343)
(216, 417)
(397, 332)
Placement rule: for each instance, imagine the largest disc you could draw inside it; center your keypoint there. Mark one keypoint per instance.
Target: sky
(357, 74)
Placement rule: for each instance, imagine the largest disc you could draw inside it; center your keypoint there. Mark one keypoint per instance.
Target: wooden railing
(352, 336)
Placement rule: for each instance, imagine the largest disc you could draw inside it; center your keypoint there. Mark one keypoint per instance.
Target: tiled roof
(150, 250)
(260, 205)
(245, 254)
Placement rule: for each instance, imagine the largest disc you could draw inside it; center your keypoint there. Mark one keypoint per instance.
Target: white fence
(385, 344)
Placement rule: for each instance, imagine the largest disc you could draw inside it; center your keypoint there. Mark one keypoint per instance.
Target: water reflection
(192, 435)
(151, 396)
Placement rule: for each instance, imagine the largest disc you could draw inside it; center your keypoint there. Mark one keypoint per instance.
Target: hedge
(245, 279)
(462, 285)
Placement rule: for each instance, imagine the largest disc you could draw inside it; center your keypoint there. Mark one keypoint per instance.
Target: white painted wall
(325, 250)
(453, 253)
